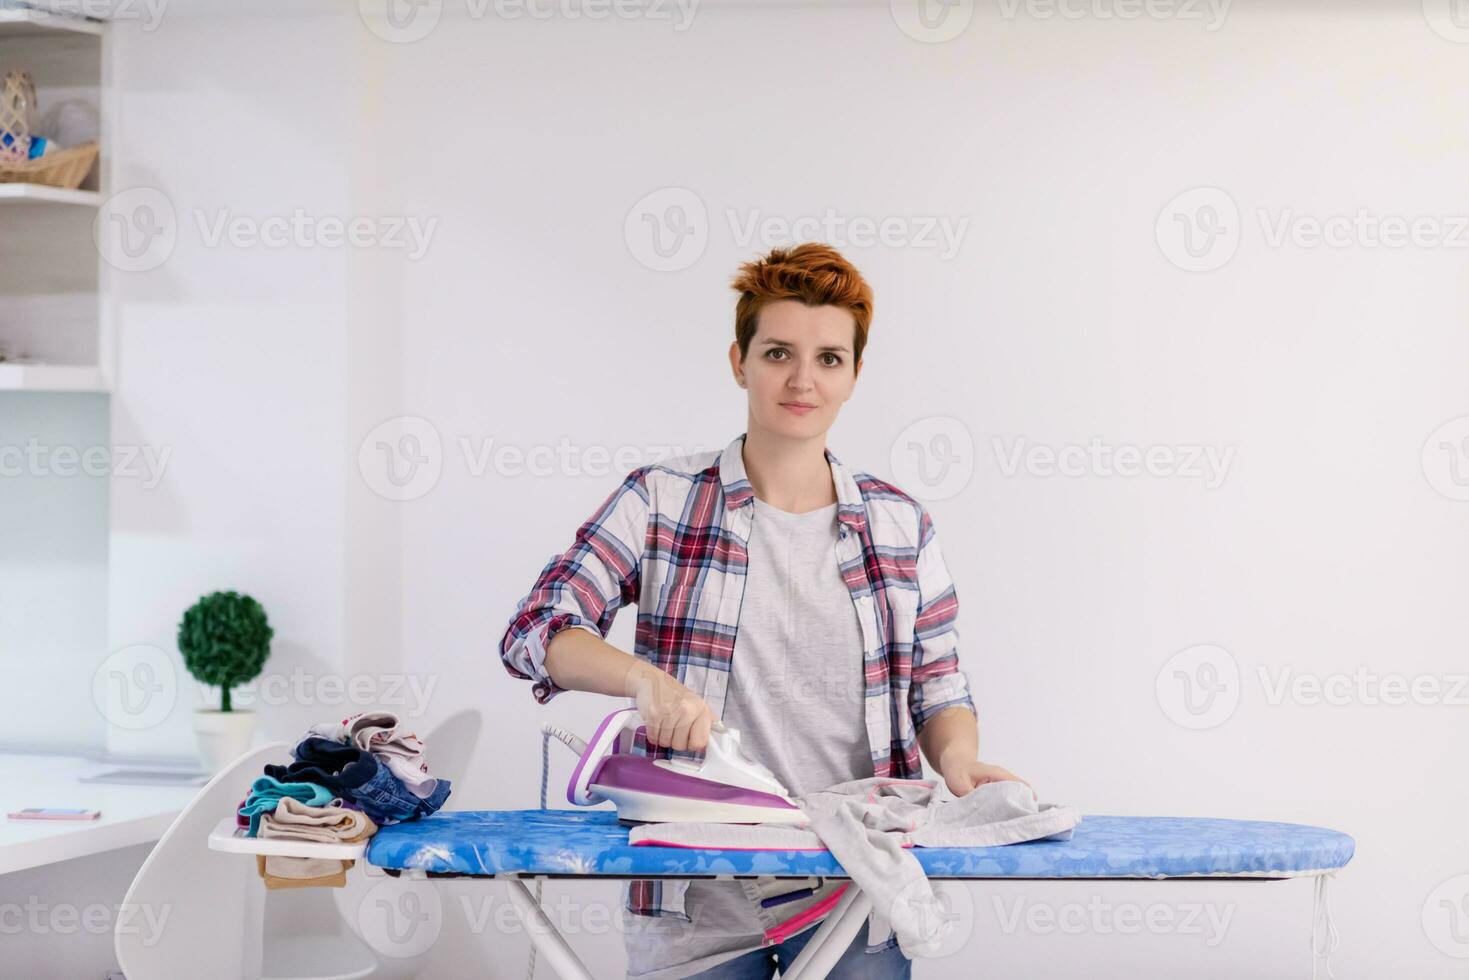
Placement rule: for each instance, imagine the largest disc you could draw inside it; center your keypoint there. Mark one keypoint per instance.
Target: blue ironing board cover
(592, 842)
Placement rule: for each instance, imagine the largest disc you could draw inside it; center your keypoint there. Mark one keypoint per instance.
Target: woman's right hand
(676, 717)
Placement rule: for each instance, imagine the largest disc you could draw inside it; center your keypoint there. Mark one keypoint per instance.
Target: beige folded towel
(294, 820)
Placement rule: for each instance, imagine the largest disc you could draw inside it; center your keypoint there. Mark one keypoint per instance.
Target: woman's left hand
(964, 775)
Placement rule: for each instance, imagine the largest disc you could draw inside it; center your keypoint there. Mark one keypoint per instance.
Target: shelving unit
(21, 22)
(55, 319)
(51, 377)
(41, 194)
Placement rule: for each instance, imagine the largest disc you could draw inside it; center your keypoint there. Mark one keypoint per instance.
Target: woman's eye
(771, 353)
(835, 360)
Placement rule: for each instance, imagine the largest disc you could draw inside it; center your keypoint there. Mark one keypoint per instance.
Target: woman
(805, 605)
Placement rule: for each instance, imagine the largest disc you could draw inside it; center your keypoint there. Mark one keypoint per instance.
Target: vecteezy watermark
(406, 21)
(401, 21)
(135, 687)
(565, 458)
(669, 229)
(1199, 687)
(933, 458)
(1210, 13)
(567, 915)
(408, 695)
(403, 458)
(1098, 459)
(1099, 917)
(809, 689)
(38, 918)
(932, 232)
(941, 914)
(137, 230)
(679, 13)
(1449, 19)
(37, 459)
(932, 21)
(1200, 230)
(1362, 229)
(1445, 458)
(1446, 917)
(1363, 687)
(302, 230)
(147, 14)
(400, 917)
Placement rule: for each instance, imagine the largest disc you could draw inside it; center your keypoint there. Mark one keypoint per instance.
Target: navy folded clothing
(340, 768)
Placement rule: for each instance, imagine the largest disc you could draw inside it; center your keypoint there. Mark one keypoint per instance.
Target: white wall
(232, 356)
(530, 320)
(53, 567)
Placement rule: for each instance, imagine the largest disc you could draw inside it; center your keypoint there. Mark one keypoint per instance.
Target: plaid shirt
(672, 538)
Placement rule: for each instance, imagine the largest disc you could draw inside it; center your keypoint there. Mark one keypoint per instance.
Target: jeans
(856, 963)
(386, 800)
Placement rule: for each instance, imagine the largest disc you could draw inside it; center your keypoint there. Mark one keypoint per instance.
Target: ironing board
(515, 845)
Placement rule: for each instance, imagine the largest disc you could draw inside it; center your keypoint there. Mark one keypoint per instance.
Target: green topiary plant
(225, 639)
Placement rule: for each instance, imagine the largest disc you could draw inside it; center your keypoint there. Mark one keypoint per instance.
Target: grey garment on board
(796, 697)
(867, 823)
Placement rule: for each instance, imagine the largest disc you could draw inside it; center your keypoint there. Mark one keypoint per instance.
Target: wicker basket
(62, 168)
(17, 110)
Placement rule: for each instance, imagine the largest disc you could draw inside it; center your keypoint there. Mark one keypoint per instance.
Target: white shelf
(41, 194)
(228, 836)
(50, 377)
(34, 23)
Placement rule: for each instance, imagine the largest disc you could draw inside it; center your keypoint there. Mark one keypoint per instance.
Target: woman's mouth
(800, 408)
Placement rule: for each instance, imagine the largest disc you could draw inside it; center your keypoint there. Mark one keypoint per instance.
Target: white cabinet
(53, 282)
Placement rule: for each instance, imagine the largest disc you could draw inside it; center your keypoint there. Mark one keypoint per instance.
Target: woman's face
(799, 369)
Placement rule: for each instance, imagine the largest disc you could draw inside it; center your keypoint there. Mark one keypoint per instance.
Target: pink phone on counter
(55, 813)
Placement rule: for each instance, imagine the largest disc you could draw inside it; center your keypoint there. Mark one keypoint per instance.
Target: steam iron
(727, 787)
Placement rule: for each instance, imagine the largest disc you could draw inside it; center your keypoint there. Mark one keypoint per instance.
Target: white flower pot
(223, 736)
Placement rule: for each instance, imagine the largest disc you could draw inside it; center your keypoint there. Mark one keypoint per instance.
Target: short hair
(813, 273)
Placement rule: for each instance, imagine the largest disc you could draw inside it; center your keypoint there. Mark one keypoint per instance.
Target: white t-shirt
(796, 696)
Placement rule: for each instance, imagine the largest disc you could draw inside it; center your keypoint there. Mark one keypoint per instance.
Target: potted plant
(225, 640)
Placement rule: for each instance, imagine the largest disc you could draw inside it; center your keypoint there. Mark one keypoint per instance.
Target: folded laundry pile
(868, 825)
(348, 779)
(293, 820)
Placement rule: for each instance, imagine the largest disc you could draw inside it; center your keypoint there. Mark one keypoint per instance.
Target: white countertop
(130, 814)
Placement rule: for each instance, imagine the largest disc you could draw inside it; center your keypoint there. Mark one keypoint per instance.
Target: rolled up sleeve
(583, 587)
(937, 682)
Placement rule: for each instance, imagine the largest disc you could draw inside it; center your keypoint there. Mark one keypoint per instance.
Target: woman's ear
(734, 362)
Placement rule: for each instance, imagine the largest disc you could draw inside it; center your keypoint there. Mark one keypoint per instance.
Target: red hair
(814, 274)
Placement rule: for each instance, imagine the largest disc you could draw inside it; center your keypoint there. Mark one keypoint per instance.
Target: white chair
(212, 900)
(450, 747)
(215, 901)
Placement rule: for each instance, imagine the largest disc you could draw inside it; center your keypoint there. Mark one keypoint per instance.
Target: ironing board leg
(549, 942)
(833, 936)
